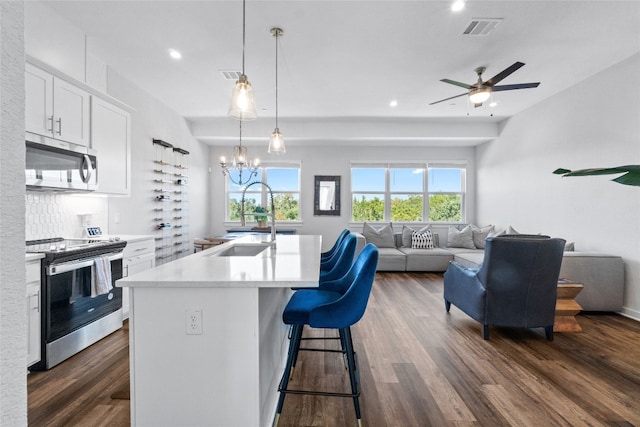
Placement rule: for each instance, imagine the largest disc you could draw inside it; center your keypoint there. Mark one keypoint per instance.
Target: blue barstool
(331, 310)
(326, 255)
(329, 261)
(341, 261)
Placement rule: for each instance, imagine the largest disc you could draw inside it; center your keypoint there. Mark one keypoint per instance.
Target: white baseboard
(632, 314)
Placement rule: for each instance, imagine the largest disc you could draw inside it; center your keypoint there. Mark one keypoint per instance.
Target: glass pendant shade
(276, 143)
(479, 95)
(241, 157)
(243, 104)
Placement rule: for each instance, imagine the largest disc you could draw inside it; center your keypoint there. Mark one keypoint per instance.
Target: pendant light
(276, 142)
(243, 104)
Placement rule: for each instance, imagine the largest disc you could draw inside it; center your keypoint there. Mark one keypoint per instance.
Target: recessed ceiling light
(175, 54)
(457, 5)
(393, 103)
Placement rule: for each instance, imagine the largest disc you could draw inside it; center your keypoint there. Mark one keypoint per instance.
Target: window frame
(261, 193)
(462, 193)
(387, 194)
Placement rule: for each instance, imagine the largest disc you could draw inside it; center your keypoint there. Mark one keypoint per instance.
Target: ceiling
(344, 61)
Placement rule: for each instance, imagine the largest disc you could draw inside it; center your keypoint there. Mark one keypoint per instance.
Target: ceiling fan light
(457, 5)
(243, 104)
(276, 143)
(479, 95)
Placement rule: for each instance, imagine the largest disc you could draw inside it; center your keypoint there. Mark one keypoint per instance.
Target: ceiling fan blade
(504, 73)
(446, 99)
(515, 86)
(453, 82)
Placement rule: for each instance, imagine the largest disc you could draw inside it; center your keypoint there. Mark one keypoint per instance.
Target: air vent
(481, 26)
(230, 74)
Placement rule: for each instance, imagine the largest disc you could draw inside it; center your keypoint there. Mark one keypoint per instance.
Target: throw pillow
(497, 233)
(511, 230)
(407, 233)
(569, 247)
(460, 238)
(480, 234)
(422, 240)
(382, 237)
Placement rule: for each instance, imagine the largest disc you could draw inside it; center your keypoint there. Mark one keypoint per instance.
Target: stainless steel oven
(74, 315)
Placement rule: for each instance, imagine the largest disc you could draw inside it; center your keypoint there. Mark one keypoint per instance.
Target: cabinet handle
(59, 121)
(126, 271)
(35, 297)
(140, 249)
(50, 119)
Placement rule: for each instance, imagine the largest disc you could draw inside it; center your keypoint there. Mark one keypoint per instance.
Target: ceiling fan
(480, 91)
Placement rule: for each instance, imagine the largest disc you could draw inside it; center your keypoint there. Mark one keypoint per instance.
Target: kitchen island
(207, 341)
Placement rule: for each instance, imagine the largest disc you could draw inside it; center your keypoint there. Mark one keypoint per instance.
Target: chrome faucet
(272, 213)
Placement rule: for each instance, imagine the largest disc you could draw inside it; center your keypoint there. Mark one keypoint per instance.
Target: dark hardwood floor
(418, 366)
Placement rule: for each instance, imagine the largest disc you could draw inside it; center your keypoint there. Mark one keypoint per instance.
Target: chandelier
(243, 104)
(240, 163)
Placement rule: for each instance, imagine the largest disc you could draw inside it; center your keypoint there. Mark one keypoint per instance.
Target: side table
(567, 307)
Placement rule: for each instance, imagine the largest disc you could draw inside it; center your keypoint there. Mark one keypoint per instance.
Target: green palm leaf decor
(631, 173)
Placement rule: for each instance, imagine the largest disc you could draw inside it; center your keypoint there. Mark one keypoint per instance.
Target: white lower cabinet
(33, 312)
(137, 256)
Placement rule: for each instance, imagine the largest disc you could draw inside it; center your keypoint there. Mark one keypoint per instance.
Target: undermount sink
(242, 250)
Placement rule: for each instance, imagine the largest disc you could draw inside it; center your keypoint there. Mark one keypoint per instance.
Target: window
(285, 184)
(368, 194)
(396, 192)
(446, 194)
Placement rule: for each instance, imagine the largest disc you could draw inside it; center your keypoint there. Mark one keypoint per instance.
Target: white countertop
(294, 262)
(32, 257)
(132, 237)
(126, 237)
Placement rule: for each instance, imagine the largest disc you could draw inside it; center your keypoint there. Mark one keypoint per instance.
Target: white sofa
(601, 274)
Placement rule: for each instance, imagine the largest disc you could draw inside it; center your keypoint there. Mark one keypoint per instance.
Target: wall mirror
(326, 195)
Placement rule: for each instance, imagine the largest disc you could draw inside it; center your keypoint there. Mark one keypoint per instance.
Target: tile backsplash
(63, 215)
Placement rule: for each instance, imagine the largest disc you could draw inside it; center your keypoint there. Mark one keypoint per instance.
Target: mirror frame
(316, 199)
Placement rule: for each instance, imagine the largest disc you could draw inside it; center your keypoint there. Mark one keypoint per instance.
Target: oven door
(67, 296)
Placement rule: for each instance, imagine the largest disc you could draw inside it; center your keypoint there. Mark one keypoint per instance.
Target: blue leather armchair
(515, 286)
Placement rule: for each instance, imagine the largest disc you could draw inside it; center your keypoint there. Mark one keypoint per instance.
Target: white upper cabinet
(38, 101)
(71, 112)
(111, 137)
(55, 108)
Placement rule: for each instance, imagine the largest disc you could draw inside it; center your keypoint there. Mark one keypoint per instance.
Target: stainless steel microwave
(59, 166)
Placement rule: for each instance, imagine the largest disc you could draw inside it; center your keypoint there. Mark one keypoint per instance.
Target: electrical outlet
(193, 322)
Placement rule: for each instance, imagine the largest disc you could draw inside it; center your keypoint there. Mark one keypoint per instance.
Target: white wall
(152, 119)
(333, 160)
(13, 310)
(596, 123)
(54, 40)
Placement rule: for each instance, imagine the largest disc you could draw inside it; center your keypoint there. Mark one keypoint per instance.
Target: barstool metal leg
(294, 345)
(353, 373)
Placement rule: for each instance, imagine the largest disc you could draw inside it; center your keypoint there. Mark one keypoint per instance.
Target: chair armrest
(463, 289)
(459, 270)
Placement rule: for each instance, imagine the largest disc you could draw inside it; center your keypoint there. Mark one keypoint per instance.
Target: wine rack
(171, 204)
